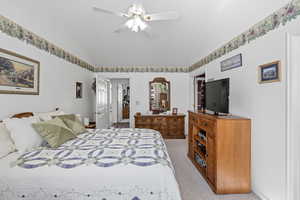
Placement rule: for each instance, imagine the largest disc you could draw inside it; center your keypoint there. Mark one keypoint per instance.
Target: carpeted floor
(192, 185)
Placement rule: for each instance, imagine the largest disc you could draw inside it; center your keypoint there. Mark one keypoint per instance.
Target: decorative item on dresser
(220, 148)
(170, 126)
(174, 111)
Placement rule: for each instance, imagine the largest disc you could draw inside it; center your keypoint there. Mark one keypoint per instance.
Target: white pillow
(23, 134)
(48, 115)
(79, 117)
(6, 144)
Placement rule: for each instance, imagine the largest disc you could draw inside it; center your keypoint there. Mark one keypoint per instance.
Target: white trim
(292, 142)
(260, 194)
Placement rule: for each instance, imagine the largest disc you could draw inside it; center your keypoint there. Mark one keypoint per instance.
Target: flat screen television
(217, 96)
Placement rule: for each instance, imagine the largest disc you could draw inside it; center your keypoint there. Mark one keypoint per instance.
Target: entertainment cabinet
(220, 148)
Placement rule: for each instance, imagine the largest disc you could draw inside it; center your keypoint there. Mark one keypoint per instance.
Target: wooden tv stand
(220, 148)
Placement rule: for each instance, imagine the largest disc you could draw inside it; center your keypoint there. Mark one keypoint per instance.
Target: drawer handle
(205, 124)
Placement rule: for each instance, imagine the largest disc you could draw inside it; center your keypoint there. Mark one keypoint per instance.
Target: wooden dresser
(220, 148)
(170, 126)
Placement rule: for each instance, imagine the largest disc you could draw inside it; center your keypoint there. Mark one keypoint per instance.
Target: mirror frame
(160, 80)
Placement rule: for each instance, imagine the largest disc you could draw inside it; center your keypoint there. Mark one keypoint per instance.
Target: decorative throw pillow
(73, 123)
(54, 131)
(6, 144)
(22, 133)
(48, 115)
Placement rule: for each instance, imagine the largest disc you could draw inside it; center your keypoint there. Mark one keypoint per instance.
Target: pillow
(23, 134)
(6, 144)
(48, 115)
(79, 117)
(73, 123)
(54, 131)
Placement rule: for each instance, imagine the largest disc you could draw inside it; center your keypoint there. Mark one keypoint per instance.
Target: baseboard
(260, 194)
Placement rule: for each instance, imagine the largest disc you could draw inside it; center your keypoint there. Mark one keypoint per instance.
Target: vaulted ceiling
(202, 27)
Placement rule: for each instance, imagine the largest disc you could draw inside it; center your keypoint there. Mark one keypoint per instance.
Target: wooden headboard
(24, 115)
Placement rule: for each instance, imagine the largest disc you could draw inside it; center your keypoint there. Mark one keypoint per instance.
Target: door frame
(123, 76)
(292, 110)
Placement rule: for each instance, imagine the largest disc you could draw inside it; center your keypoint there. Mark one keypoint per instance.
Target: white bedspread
(114, 164)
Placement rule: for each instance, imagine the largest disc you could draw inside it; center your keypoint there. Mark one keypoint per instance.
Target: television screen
(217, 95)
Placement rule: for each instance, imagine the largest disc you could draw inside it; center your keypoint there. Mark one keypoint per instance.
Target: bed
(108, 164)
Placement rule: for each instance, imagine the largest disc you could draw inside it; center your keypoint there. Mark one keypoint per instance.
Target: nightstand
(92, 125)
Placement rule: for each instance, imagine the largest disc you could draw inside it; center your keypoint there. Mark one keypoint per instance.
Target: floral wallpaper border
(144, 69)
(282, 16)
(14, 30)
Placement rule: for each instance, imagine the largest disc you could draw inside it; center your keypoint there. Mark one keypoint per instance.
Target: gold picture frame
(269, 73)
(18, 74)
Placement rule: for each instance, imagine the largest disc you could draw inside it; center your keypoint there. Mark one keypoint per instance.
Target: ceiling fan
(137, 18)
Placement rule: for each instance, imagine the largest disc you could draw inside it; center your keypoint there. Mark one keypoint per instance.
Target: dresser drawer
(169, 126)
(206, 124)
(192, 118)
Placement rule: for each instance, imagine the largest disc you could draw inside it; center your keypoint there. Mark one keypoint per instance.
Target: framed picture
(174, 111)
(231, 63)
(269, 73)
(18, 74)
(78, 90)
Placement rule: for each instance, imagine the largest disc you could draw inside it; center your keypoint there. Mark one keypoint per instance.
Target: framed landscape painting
(231, 63)
(269, 73)
(18, 74)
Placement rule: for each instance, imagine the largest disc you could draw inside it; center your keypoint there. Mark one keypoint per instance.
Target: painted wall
(28, 15)
(57, 84)
(265, 104)
(139, 90)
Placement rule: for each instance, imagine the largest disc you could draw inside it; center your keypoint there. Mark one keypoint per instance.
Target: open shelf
(202, 155)
(201, 141)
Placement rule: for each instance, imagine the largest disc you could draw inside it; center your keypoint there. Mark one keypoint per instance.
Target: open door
(103, 104)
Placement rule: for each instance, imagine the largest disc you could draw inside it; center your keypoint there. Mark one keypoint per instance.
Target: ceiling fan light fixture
(136, 10)
(136, 24)
(138, 19)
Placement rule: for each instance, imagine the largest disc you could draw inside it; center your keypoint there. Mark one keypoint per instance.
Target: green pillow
(54, 131)
(73, 123)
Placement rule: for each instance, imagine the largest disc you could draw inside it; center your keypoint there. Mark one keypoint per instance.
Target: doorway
(120, 107)
(199, 92)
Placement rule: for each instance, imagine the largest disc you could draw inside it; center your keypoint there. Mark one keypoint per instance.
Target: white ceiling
(203, 26)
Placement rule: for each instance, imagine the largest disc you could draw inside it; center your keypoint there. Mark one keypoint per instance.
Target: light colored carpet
(191, 183)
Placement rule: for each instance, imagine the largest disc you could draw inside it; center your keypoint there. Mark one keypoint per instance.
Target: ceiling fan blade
(120, 14)
(122, 28)
(149, 33)
(161, 16)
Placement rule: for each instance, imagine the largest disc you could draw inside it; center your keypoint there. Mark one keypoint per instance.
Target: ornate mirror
(159, 95)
